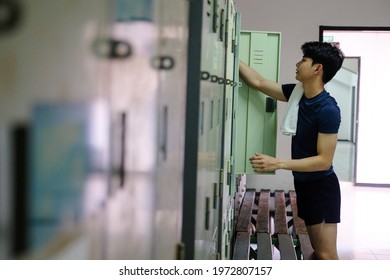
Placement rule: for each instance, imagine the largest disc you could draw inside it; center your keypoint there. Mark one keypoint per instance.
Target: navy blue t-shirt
(319, 114)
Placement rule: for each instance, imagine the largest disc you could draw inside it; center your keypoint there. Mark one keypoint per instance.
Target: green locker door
(255, 113)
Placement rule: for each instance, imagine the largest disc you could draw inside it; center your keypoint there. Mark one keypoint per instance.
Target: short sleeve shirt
(319, 114)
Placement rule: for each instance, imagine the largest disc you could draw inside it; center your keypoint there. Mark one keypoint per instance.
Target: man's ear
(318, 67)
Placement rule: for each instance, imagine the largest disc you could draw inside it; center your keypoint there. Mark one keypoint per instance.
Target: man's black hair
(327, 54)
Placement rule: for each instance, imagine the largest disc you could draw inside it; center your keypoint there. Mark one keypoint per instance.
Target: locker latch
(163, 62)
(270, 105)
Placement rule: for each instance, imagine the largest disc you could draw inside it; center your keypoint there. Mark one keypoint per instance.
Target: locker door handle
(207, 214)
(163, 62)
(122, 167)
(111, 48)
(215, 16)
(205, 76)
(164, 134)
(222, 25)
(214, 78)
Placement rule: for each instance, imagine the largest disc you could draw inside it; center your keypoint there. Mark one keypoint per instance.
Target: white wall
(299, 21)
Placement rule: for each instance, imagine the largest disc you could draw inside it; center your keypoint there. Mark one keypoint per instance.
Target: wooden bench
(267, 220)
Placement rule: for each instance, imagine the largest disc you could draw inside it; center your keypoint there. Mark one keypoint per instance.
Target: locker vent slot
(258, 57)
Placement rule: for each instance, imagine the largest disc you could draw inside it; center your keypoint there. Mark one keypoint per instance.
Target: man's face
(305, 69)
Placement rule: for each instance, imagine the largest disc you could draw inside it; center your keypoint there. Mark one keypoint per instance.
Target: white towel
(290, 119)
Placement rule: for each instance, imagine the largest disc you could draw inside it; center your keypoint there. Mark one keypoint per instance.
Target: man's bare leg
(323, 238)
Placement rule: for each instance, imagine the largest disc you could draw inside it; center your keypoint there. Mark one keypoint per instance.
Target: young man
(313, 143)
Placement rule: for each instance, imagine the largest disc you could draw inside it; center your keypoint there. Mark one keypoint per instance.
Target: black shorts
(319, 200)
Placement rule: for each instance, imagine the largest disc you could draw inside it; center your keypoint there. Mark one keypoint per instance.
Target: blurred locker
(132, 87)
(53, 127)
(172, 20)
(147, 101)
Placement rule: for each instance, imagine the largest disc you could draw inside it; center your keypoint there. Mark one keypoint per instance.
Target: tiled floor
(364, 231)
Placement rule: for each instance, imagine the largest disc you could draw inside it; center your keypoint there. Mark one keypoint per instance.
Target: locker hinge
(226, 245)
(221, 176)
(221, 182)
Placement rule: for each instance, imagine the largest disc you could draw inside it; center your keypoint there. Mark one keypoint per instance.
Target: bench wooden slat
(262, 224)
(286, 247)
(245, 215)
(242, 246)
(299, 224)
(264, 246)
(300, 229)
(264, 240)
(240, 183)
(305, 246)
(280, 213)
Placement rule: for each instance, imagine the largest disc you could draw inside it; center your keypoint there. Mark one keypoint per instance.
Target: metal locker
(255, 113)
(204, 123)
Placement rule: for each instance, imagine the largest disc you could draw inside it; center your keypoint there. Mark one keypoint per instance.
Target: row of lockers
(123, 126)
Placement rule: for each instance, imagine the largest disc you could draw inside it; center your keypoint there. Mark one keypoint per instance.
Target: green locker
(255, 114)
